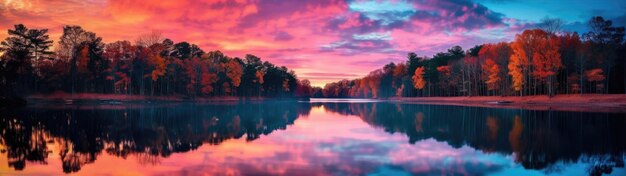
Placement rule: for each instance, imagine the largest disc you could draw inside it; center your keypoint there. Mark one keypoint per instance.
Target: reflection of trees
(146, 133)
(23, 142)
(604, 163)
(538, 139)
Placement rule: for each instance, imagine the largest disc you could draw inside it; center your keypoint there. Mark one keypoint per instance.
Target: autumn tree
(362, 88)
(418, 78)
(536, 54)
(234, 72)
(373, 82)
(547, 62)
(119, 54)
(492, 72)
(259, 77)
(200, 79)
(447, 80)
(78, 45)
(500, 53)
(304, 88)
(595, 76)
(517, 71)
(157, 66)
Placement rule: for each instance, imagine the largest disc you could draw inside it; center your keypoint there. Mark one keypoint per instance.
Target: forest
(150, 66)
(541, 61)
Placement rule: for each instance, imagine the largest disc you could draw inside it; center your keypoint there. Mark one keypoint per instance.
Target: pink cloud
(296, 34)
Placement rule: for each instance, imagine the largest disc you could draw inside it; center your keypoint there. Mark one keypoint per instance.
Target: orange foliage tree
(259, 77)
(499, 53)
(233, 71)
(418, 78)
(159, 66)
(534, 52)
(547, 62)
(492, 71)
(516, 70)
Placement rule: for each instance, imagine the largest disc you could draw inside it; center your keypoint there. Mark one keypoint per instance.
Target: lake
(322, 137)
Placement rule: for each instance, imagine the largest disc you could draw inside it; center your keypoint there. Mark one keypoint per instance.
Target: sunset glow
(322, 40)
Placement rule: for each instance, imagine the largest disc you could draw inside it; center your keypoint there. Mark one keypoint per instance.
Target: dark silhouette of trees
(153, 66)
(152, 131)
(606, 42)
(83, 51)
(552, 26)
(22, 52)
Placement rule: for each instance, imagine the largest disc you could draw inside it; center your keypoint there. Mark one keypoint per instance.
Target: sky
(321, 40)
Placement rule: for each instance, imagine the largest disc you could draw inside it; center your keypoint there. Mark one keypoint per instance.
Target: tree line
(152, 66)
(541, 61)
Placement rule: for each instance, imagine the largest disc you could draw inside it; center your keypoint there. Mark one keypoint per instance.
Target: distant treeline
(152, 66)
(542, 61)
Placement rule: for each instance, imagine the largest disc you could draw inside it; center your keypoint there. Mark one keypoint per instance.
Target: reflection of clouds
(330, 144)
(432, 157)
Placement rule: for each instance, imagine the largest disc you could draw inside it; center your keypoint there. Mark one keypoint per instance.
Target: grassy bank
(585, 102)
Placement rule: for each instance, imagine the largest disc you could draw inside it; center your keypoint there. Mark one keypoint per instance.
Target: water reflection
(415, 139)
(537, 139)
(82, 134)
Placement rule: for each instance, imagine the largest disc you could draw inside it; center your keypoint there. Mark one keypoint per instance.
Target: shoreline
(117, 99)
(585, 102)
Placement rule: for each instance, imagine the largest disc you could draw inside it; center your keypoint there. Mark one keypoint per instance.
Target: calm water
(300, 138)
